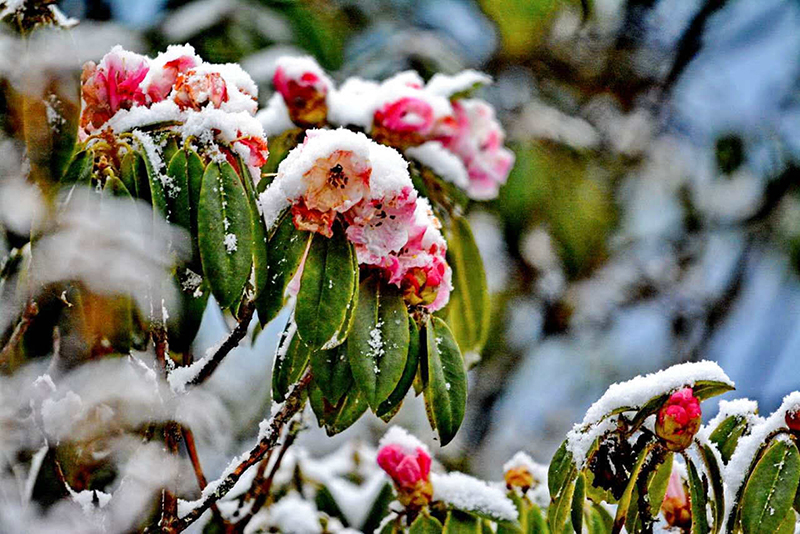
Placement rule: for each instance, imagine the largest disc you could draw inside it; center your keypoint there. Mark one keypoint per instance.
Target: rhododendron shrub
(455, 148)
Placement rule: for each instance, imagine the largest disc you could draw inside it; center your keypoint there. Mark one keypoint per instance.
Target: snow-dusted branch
(201, 370)
(268, 438)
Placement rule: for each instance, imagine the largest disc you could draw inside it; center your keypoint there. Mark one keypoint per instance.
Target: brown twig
(233, 339)
(191, 449)
(263, 488)
(169, 508)
(293, 404)
(31, 310)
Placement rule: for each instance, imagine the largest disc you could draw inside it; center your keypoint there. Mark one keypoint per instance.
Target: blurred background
(652, 217)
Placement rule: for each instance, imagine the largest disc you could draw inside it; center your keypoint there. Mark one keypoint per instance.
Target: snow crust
(274, 118)
(399, 436)
(447, 85)
(441, 161)
(468, 493)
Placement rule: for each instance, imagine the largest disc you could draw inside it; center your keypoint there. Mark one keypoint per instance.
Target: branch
(31, 311)
(191, 449)
(264, 486)
(294, 404)
(230, 343)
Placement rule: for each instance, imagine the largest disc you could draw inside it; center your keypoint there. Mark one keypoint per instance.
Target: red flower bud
(409, 472)
(793, 419)
(679, 419)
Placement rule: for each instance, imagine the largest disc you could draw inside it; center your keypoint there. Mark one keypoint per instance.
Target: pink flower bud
(304, 87)
(675, 507)
(409, 472)
(679, 419)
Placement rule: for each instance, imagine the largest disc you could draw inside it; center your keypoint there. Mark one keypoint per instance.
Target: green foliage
(771, 488)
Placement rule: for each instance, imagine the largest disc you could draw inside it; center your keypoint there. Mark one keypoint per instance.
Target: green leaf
(260, 248)
(425, 524)
(157, 195)
(715, 476)
(468, 311)
(339, 417)
(409, 372)
(287, 245)
(332, 372)
(698, 500)
(134, 175)
(224, 233)
(601, 521)
(79, 170)
(625, 501)
(648, 408)
(290, 360)
(787, 526)
(184, 323)
(177, 192)
(195, 169)
(705, 389)
(578, 497)
(559, 470)
(461, 523)
(115, 188)
(656, 481)
(726, 435)
(377, 346)
(326, 289)
(445, 380)
(771, 488)
(561, 483)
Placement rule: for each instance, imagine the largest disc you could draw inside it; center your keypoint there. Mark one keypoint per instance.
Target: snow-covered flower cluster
(458, 138)
(127, 91)
(341, 175)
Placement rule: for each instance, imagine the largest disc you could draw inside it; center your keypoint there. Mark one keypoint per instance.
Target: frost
(467, 493)
(230, 243)
(274, 118)
(293, 515)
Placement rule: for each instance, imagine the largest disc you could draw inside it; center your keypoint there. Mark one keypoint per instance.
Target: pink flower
(111, 86)
(337, 181)
(312, 220)
(259, 151)
(162, 81)
(410, 120)
(379, 227)
(195, 91)
(679, 419)
(675, 507)
(478, 141)
(406, 470)
(304, 88)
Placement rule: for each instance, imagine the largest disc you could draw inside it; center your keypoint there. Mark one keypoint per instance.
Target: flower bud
(679, 420)
(409, 472)
(304, 87)
(793, 419)
(675, 507)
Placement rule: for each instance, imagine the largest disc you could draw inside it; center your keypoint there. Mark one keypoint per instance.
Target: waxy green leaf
(224, 233)
(445, 380)
(770, 489)
(377, 346)
(326, 289)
